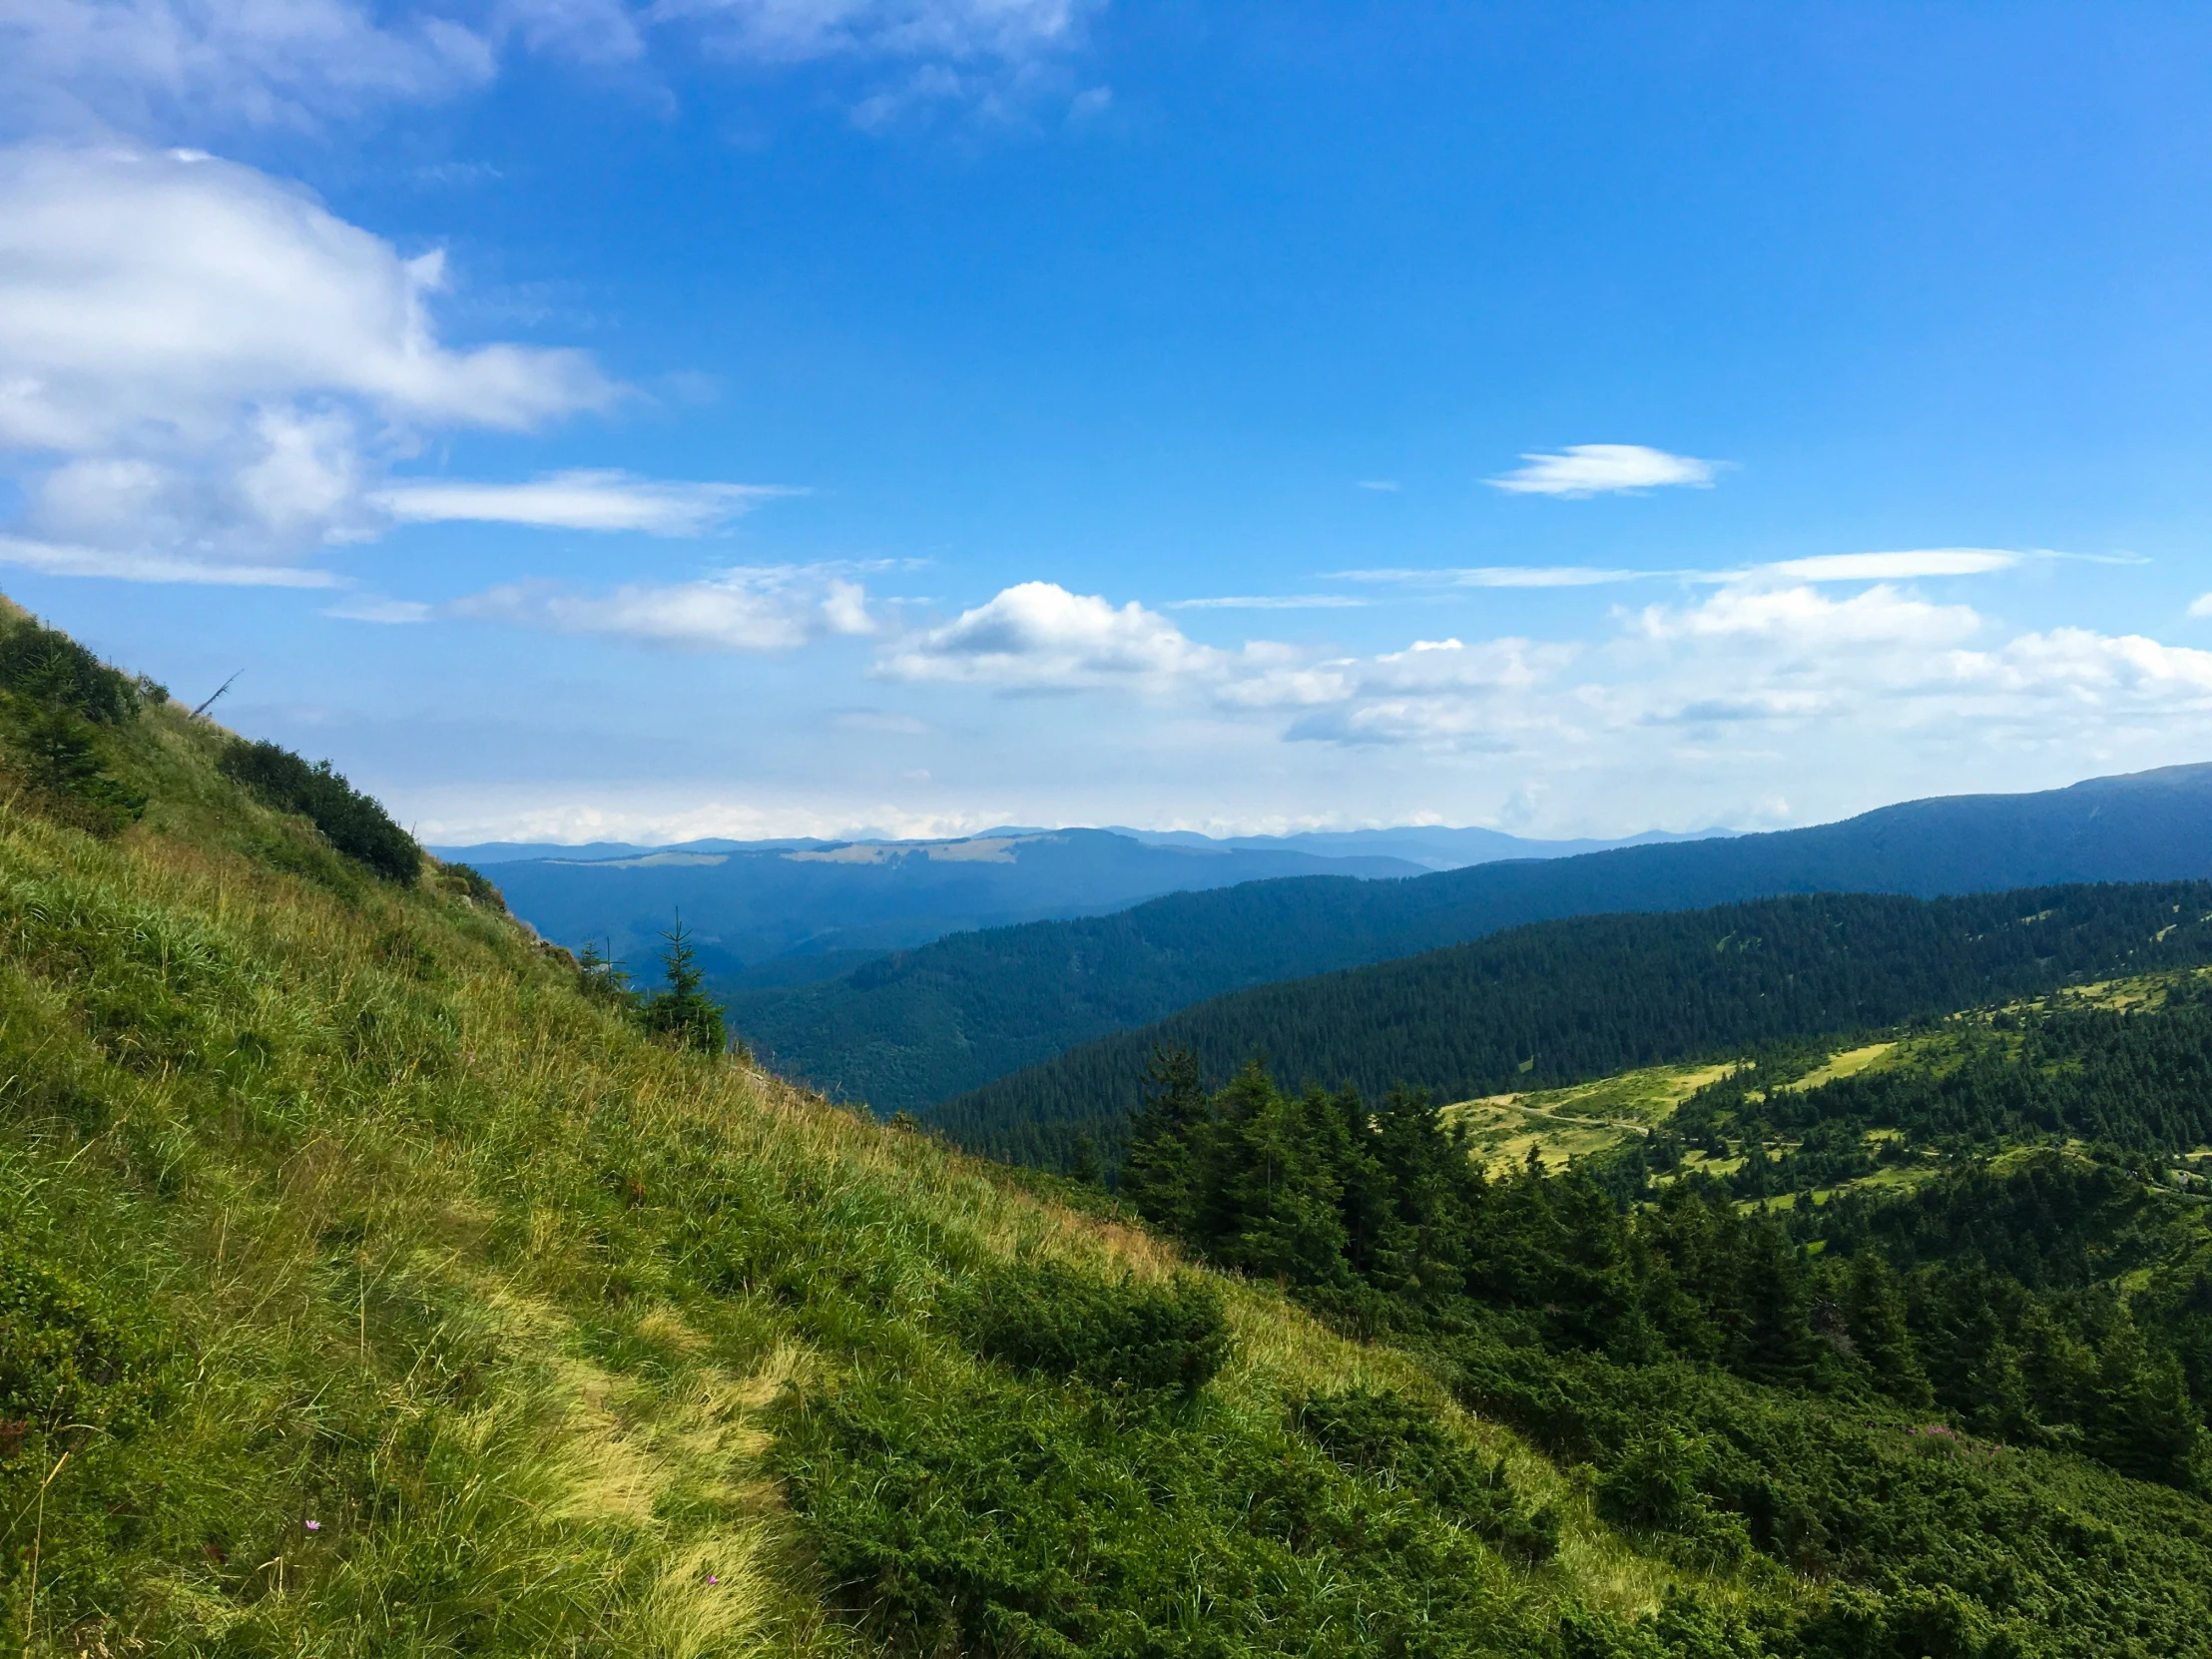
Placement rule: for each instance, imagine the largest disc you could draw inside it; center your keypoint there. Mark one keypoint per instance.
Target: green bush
(351, 821)
(1391, 1439)
(1125, 1337)
(48, 666)
(1011, 1520)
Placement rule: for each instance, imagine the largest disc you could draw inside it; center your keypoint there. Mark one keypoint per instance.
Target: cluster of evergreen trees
(1379, 1218)
(679, 1013)
(59, 708)
(353, 823)
(1561, 1001)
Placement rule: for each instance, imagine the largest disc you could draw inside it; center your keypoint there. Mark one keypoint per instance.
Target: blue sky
(769, 416)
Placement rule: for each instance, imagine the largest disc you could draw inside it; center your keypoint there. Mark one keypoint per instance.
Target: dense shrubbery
(1015, 1520)
(1391, 1439)
(1131, 1338)
(356, 824)
(58, 703)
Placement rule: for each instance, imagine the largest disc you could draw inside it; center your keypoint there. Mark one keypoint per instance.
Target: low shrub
(356, 824)
(1390, 1439)
(1126, 1337)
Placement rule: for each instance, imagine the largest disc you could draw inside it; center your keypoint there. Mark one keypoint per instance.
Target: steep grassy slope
(367, 1287)
(930, 1024)
(1565, 1002)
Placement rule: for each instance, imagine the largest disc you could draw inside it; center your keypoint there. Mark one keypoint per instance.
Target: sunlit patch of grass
(1579, 1120)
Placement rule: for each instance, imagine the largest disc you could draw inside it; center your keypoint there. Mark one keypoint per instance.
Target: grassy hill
(919, 1028)
(1565, 1002)
(372, 1282)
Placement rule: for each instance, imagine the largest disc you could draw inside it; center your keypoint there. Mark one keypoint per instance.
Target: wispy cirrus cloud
(760, 609)
(82, 67)
(1501, 575)
(53, 559)
(1909, 565)
(1586, 469)
(576, 500)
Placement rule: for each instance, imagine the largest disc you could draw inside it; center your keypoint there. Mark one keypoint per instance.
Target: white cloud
(148, 66)
(1880, 614)
(744, 610)
(1585, 469)
(201, 366)
(390, 612)
(1892, 567)
(141, 64)
(1038, 635)
(2201, 605)
(581, 500)
(51, 559)
(140, 291)
(1384, 486)
(1501, 576)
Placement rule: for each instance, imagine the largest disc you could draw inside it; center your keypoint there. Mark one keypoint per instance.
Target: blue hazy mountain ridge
(922, 1025)
(790, 911)
(793, 912)
(1434, 846)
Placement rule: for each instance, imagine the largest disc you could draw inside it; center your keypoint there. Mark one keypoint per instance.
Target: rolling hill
(789, 912)
(375, 1282)
(923, 1025)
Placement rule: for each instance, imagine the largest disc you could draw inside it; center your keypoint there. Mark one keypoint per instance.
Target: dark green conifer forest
(1559, 1001)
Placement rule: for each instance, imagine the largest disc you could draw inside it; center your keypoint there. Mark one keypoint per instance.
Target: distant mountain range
(927, 1024)
(784, 913)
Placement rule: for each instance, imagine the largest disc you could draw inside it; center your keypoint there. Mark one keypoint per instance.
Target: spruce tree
(683, 1014)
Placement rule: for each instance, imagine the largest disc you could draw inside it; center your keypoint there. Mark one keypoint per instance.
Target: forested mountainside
(375, 1279)
(1563, 1001)
(1718, 1362)
(921, 1026)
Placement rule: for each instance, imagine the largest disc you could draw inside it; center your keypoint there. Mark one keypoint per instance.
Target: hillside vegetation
(917, 1028)
(376, 1279)
(373, 1280)
(1565, 1002)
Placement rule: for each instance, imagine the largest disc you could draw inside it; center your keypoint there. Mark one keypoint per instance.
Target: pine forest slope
(921, 1026)
(372, 1283)
(1561, 1002)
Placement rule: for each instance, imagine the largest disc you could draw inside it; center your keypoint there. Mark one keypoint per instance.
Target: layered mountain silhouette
(922, 1025)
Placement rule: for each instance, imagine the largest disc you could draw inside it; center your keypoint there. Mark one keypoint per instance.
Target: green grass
(372, 1289)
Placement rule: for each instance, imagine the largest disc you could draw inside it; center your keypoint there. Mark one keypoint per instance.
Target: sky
(582, 418)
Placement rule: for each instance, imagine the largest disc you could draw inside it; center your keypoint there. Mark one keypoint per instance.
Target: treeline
(1834, 1392)
(1558, 1002)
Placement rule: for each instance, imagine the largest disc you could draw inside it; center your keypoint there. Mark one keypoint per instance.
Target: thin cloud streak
(1501, 576)
(1586, 469)
(576, 500)
(50, 559)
